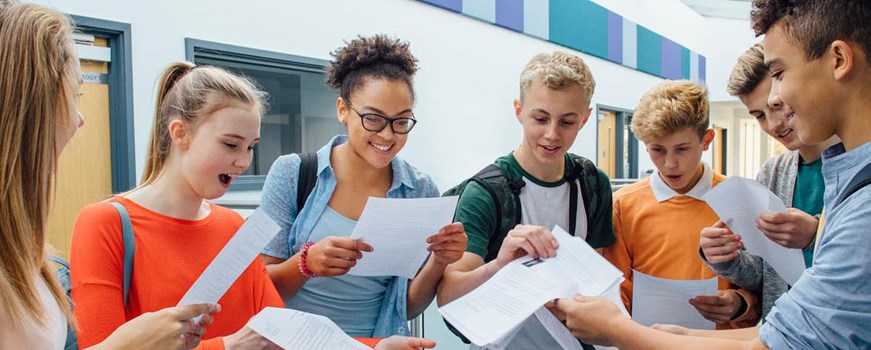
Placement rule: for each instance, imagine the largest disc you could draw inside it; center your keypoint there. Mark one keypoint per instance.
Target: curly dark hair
(378, 56)
(815, 24)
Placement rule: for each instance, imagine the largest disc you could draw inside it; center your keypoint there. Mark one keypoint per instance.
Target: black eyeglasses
(375, 122)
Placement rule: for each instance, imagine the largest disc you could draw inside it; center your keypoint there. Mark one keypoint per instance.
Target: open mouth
(673, 178)
(226, 179)
(382, 148)
(784, 134)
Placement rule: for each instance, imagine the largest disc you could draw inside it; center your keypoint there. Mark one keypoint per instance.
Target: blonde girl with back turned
(39, 82)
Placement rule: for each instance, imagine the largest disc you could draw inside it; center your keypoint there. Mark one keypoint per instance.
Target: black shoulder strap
(862, 179)
(582, 170)
(308, 175)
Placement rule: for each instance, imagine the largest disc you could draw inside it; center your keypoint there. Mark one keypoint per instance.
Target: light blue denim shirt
(279, 201)
(830, 305)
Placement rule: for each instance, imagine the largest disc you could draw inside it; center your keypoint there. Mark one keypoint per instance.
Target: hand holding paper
(738, 202)
(491, 313)
(398, 229)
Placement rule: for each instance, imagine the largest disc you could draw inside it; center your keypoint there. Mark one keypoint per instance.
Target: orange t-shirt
(659, 239)
(170, 255)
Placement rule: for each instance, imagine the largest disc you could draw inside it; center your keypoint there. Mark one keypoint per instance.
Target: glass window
(300, 115)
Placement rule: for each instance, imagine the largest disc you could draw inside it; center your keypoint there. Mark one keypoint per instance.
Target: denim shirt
(279, 201)
(830, 305)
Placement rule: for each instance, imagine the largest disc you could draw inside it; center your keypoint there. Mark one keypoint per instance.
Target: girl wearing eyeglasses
(308, 260)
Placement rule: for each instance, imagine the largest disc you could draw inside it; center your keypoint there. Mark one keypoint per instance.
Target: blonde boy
(554, 104)
(657, 220)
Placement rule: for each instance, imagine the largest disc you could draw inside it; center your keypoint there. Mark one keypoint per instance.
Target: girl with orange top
(205, 129)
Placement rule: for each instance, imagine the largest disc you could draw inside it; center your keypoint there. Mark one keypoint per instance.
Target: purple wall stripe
(615, 37)
(671, 64)
(509, 14)
(453, 5)
(702, 68)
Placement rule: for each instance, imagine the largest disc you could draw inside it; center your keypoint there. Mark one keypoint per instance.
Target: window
(300, 115)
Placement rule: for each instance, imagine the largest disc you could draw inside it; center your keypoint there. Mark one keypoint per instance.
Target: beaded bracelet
(303, 269)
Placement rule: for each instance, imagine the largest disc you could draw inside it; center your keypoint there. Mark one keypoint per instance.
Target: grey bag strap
(129, 247)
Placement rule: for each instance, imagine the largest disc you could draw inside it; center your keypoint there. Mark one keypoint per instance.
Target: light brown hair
(557, 71)
(190, 93)
(748, 72)
(39, 83)
(670, 107)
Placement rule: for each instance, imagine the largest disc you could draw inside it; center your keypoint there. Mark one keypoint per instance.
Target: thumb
(188, 312)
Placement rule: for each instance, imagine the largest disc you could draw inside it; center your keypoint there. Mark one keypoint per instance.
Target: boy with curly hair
(819, 54)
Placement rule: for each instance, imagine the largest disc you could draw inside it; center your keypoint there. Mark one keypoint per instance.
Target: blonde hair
(558, 71)
(189, 93)
(748, 72)
(36, 99)
(669, 107)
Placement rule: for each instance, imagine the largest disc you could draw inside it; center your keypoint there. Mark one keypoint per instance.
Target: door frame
(121, 135)
(621, 114)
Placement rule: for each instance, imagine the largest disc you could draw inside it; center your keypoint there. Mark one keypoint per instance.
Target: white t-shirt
(31, 334)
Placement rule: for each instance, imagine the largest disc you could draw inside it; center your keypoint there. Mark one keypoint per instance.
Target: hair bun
(375, 53)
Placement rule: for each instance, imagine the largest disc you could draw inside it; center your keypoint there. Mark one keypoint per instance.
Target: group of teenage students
(807, 88)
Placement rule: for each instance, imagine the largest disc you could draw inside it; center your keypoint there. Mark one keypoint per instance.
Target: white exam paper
(738, 202)
(397, 229)
(292, 329)
(232, 260)
(490, 313)
(557, 330)
(662, 300)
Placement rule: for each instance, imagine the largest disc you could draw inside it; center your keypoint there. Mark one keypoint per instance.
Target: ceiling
(732, 9)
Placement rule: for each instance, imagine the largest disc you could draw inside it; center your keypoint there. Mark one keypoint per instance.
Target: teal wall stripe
(649, 51)
(581, 25)
(684, 63)
(586, 26)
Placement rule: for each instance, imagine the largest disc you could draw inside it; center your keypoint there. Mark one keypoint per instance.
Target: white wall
(729, 38)
(469, 69)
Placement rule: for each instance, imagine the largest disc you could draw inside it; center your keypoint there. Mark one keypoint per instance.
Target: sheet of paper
(496, 308)
(232, 260)
(738, 202)
(557, 330)
(492, 310)
(661, 300)
(292, 329)
(397, 228)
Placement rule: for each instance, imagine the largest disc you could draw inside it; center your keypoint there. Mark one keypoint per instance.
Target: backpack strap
(308, 176)
(584, 171)
(861, 179)
(129, 247)
(60, 261)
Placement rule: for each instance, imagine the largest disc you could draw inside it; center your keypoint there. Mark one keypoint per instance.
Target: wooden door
(607, 157)
(85, 169)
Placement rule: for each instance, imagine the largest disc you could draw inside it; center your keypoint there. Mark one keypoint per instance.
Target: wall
(732, 38)
(465, 86)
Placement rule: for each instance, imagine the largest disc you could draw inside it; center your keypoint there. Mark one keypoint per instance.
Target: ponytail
(158, 147)
(188, 93)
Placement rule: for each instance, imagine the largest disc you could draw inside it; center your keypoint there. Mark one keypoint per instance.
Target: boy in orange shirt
(657, 220)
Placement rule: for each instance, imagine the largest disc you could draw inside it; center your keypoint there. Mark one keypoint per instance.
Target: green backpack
(505, 192)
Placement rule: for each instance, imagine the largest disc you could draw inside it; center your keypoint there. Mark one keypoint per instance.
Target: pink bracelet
(303, 269)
